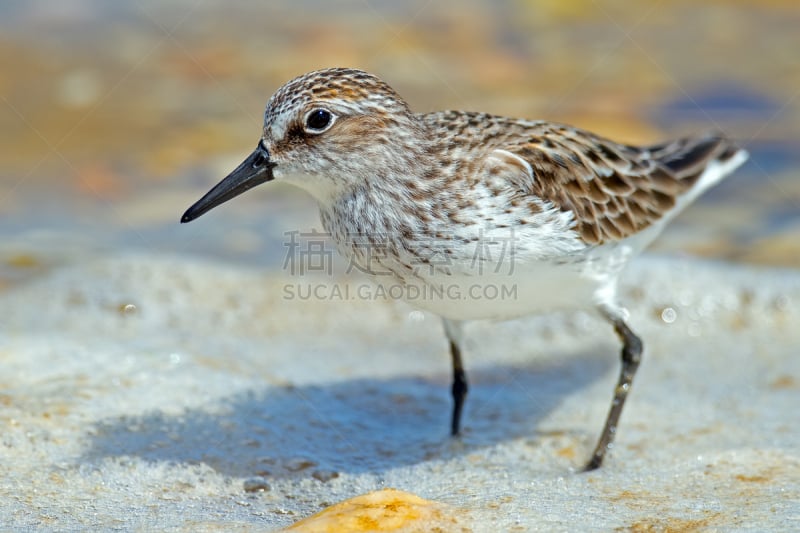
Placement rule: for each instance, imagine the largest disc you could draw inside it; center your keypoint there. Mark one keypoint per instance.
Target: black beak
(254, 170)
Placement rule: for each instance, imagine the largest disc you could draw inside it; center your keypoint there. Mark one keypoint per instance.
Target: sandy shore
(167, 393)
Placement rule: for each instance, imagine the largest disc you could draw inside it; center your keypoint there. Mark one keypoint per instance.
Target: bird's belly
(533, 289)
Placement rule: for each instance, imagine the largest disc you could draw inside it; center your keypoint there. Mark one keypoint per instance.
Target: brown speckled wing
(613, 190)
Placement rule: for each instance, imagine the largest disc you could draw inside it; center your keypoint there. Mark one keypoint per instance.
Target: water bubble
(127, 309)
(669, 315)
(174, 358)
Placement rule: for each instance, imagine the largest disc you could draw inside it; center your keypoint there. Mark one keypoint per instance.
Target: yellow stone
(383, 510)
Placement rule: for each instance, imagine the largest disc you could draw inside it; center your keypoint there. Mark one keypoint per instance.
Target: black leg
(459, 387)
(631, 355)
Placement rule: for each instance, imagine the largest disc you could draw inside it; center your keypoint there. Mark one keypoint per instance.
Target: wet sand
(166, 392)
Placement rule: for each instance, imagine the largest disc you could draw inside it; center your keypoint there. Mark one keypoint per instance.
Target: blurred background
(116, 116)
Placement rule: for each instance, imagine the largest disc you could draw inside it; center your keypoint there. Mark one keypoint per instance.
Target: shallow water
(116, 117)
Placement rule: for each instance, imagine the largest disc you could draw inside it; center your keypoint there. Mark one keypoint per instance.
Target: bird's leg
(631, 355)
(459, 389)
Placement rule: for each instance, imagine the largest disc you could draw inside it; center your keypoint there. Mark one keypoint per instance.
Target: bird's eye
(318, 120)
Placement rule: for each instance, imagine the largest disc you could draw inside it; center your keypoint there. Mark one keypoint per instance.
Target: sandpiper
(397, 189)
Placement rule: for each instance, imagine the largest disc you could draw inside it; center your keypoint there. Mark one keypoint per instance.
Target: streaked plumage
(413, 195)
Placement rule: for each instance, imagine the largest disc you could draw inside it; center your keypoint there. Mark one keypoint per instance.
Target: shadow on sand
(355, 426)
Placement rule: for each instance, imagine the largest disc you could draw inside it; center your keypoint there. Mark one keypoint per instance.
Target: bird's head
(326, 132)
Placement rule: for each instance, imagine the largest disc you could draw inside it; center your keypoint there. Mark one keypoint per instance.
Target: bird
(460, 199)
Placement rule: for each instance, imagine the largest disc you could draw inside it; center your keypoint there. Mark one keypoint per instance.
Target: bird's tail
(702, 160)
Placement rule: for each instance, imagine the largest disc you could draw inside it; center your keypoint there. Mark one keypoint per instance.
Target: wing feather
(613, 190)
